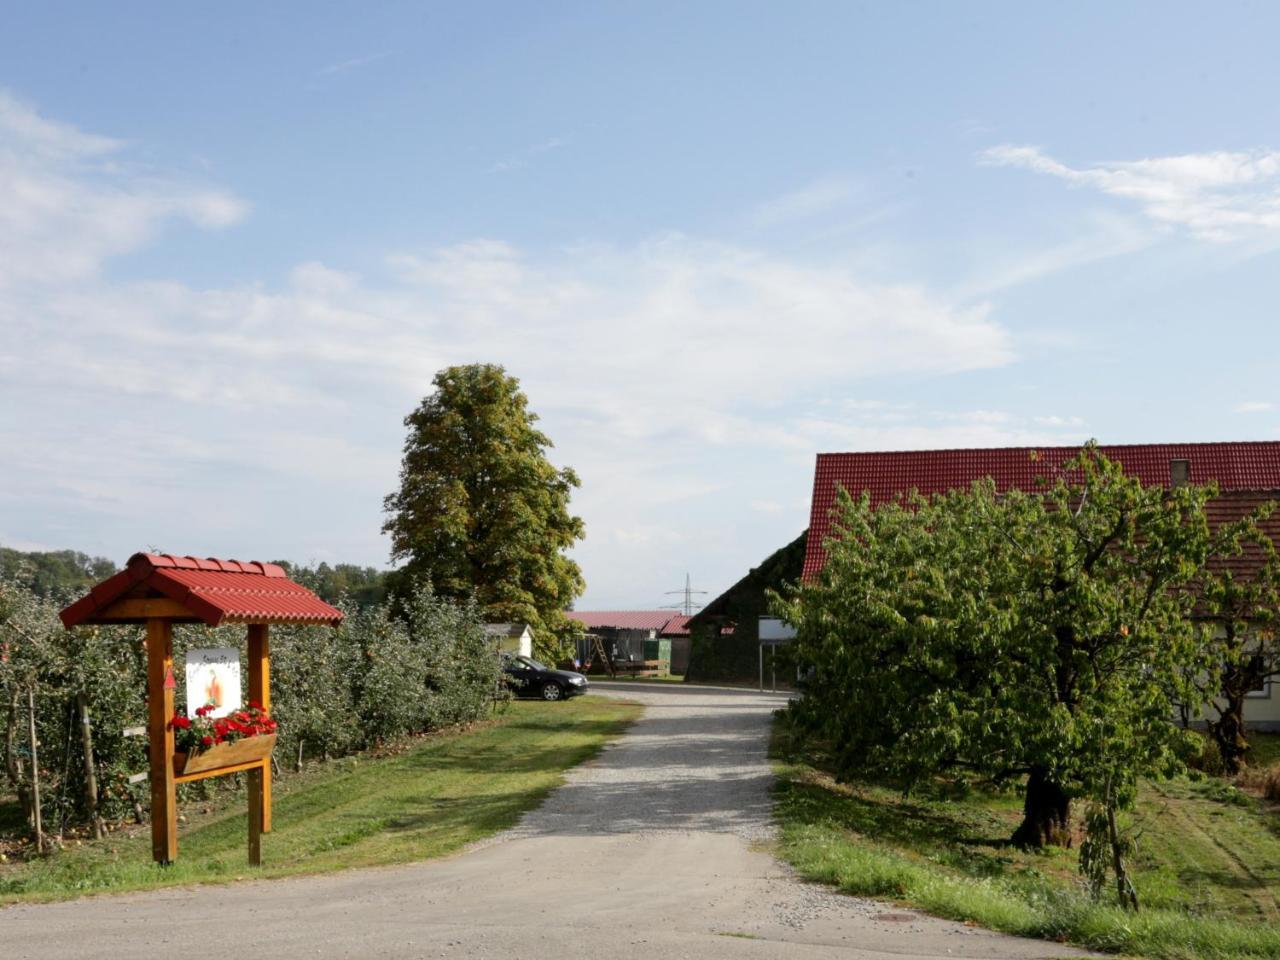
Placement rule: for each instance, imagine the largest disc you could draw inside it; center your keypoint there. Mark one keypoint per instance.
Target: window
(1261, 692)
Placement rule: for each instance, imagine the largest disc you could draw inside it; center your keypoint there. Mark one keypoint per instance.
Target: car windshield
(527, 663)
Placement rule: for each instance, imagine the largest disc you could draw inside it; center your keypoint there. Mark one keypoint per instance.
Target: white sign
(773, 630)
(213, 679)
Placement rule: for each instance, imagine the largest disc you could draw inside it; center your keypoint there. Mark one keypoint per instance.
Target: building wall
(1262, 712)
(680, 647)
(521, 645)
(621, 645)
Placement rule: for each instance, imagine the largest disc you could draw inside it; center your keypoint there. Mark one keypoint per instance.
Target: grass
(1264, 749)
(432, 798)
(1207, 870)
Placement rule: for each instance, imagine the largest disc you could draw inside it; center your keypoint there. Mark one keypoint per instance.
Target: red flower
(181, 723)
(206, 741)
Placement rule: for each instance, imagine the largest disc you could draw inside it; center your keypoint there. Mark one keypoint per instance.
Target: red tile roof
(885, 476)
(1236, 505)
(214, 591)
(623, 619)
(677, 626)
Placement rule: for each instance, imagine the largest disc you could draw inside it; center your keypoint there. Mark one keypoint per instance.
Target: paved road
(647, 852)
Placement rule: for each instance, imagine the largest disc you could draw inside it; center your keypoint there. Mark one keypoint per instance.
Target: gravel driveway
(647, 852)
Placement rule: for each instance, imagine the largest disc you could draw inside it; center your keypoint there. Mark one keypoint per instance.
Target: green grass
(1208, 867)
(1264, 749)
(431, 799)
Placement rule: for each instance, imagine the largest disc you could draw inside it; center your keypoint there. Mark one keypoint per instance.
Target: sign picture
(213, 679)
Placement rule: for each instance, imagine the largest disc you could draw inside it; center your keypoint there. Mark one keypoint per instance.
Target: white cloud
(1218, 196)
(68, 201)
(1253, 406)
(22, 128)
(1102, 236)
(525, 155)
(343, 66)
(667, 371)
(813, 199)
(1056, 421)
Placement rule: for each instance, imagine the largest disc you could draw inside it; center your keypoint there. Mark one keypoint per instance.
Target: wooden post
(160, 686)
(260, 777)
(35, 771)
(90, 769)
(255, 815)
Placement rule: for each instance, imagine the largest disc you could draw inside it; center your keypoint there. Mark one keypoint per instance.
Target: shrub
(380, 675)
(1271, 785)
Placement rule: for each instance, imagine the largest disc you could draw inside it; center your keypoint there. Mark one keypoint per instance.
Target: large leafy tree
(481, 512)
(1042, 635)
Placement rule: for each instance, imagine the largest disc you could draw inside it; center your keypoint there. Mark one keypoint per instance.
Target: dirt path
(648, 852)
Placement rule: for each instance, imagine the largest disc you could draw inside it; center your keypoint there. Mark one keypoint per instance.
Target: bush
(1207, 759)
(1271, 786)
(379, 676)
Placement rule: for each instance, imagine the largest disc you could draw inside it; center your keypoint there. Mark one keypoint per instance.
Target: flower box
(219, 755)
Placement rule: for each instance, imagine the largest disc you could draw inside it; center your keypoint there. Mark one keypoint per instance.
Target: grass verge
(1208, 868)
(432, 798)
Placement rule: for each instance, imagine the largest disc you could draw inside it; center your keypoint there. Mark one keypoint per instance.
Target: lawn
(1207, 870)
(429, 799)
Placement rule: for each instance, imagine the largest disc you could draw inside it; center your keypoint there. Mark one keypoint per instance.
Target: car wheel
(551, 691)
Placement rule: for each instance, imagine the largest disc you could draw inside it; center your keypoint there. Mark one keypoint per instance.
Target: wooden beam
(164, 805)
(220, 771)
(256, 777)
(260, 691)
(145, 608)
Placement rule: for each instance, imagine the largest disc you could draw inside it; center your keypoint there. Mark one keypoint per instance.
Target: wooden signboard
(251, 756)
(159, 590)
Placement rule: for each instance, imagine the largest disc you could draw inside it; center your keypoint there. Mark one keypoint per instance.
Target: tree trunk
(1228, 731)
(14, 767)
(1126, 894)
(1046, 813)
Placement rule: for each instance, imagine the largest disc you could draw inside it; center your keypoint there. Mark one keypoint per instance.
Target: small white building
(515, 638)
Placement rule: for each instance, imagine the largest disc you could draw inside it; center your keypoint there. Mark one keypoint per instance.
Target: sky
(711, 239)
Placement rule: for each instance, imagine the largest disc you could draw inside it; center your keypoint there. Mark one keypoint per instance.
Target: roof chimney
(1179, 473)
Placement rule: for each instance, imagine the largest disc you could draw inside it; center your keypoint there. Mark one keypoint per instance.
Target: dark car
(528, 678)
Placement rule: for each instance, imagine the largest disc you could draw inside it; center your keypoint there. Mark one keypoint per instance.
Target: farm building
(1247, 475)
(514, 638)
(635, 636)
(725, 633)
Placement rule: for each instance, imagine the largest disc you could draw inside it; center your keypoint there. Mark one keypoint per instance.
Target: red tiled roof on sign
(622, 619)
(213, 591)
(884, 476)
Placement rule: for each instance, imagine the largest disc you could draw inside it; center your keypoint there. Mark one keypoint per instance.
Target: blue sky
(712, 239)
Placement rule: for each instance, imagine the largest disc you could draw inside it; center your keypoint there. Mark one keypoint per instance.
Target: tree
(56, 573)
(364, 586)
(1239, 605)
(481, 512)
(1044, 635)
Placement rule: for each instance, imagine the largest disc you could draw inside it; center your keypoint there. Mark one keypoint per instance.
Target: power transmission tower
(688, 605)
